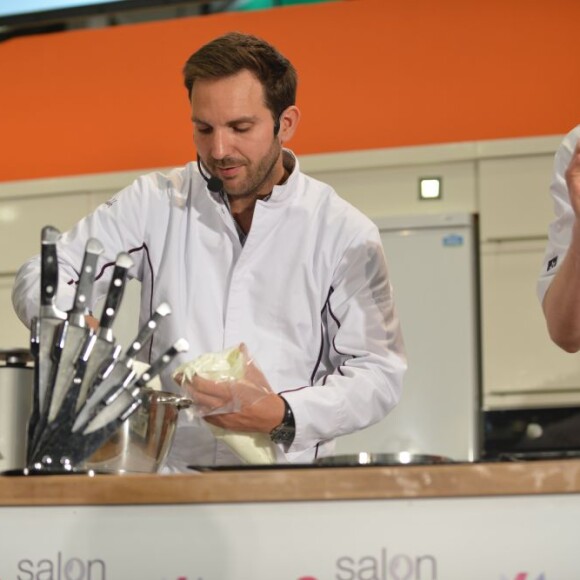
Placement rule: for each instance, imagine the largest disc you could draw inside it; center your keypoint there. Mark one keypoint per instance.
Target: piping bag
(225, 369)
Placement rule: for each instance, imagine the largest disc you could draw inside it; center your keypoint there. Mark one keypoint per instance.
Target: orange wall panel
(373, 74)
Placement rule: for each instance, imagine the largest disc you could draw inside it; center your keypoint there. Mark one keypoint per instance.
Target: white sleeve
(366, 351)
(119, 224)
(560, 231)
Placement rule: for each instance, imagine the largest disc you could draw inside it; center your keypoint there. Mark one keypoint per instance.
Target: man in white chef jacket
(245, 248)
(559, 282)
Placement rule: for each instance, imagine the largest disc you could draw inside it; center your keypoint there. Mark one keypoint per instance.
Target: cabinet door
(13, 334)
(514, 197)
(519, 359)
(435, 296)
(383, 191)
(23, 219)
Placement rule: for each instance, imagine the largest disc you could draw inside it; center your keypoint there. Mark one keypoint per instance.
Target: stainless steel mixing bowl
(142, 443)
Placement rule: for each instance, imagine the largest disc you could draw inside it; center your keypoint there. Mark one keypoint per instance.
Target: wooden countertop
(295, 484)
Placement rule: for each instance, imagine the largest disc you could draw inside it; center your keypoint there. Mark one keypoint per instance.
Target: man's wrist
(285, 431)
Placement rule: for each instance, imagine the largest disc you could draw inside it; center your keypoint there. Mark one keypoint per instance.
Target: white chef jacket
(308, 293)
(560, 230)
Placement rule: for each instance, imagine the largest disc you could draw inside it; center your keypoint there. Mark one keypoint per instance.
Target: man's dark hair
(235, 52)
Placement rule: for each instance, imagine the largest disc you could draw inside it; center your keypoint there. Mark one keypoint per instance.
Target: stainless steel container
(142, 443)
(16, 388)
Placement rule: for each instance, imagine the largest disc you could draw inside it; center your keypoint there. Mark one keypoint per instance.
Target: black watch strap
(285, 431)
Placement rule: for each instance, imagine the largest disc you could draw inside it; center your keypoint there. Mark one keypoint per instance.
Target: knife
(58, 438)
(103, 341)
(74, 331)
(122, 402)
(60, 428)
(68, 341)
(44, 327)
(119, 373)
(77, 447)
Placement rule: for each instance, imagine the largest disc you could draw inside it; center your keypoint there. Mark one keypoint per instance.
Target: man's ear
(288, 122)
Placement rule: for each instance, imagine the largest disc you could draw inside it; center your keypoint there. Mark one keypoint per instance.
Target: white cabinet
(380, 191)
(22, 220)
(432, 269)
(521, 366)
(514, 199)
(13, 334)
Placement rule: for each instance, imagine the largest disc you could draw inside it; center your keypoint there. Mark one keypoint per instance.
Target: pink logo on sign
(526, 576)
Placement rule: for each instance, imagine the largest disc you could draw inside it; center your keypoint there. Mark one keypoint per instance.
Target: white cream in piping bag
(230, 365)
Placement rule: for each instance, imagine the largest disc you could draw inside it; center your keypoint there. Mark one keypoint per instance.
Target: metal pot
(16, 387)
(142, 443)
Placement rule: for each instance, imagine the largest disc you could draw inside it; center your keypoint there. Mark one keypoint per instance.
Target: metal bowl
(142, 443)
(400, 458)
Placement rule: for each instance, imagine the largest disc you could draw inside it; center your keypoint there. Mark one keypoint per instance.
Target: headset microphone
(214, 184)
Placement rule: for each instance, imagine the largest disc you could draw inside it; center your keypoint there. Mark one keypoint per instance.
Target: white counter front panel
(515, 538)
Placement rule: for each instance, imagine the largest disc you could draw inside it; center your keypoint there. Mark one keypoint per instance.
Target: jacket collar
(281, 192)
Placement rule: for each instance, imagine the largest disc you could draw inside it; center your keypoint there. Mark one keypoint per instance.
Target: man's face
(234, 134)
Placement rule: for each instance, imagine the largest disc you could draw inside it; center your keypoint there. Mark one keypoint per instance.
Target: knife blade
(120, 373)
(104, 342)
(76, 447)
(61, 426)
(44, 328)
(122, 400)
(74, 330)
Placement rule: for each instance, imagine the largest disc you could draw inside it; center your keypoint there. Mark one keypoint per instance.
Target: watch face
(282, 434)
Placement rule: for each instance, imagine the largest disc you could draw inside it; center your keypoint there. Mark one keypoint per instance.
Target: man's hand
(259, 417)
(573, 180)
(247, 404)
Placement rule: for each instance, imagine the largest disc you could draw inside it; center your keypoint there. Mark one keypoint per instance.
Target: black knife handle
(147, 331)
(84, 291)
(35, 338)
(48, 266)
(162, 362)
(116, 290)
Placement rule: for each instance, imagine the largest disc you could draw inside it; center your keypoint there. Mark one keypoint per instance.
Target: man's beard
(257, 177)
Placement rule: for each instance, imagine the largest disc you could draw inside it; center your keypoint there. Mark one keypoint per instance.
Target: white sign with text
(502, 538)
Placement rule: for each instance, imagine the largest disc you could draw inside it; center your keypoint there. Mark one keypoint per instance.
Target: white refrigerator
(433, 265)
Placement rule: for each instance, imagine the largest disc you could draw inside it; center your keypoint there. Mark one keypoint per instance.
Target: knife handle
(135, 386)
(35, 337)
(162, 362)
(116, 290)
(147, 331)
(48, 266)
(83, 295)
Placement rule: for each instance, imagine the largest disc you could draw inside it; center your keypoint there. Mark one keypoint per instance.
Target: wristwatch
(285, 431)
